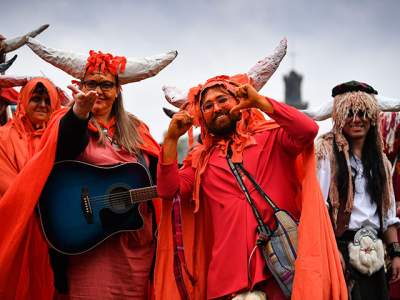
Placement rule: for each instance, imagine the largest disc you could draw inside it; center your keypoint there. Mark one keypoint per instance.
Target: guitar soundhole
(119, 199)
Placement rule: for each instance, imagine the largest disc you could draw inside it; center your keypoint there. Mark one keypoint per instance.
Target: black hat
(353, 86)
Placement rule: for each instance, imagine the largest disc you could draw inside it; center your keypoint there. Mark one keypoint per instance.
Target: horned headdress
(325, 110)
(259, 74)
(132, 70)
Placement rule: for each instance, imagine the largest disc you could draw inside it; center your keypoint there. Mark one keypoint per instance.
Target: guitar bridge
(85, 205)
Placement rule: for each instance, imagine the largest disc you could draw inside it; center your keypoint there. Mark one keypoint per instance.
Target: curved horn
(7, 64)
(74, 63)
(7, 81)
(13, 44)
(141, 68)
(262, 71)
(321, 112)
(259, 73)
(388, 104)
(174, 96)
(71, 63)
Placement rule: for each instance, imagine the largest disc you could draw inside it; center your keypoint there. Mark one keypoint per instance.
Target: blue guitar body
(81, 205)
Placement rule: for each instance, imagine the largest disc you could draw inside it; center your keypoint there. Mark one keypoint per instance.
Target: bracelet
(394, 250)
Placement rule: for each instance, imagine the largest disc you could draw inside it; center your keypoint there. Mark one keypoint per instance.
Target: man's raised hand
(250, 98)
(180, 123)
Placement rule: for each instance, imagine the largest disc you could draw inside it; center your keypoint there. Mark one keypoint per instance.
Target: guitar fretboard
(143, 194)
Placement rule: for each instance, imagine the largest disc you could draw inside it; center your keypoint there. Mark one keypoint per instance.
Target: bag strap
(258, 188)
(262, 227)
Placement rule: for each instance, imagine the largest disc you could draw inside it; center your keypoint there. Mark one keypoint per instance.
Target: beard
(225, 129)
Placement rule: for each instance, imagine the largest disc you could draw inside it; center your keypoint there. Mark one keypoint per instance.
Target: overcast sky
(329, 42)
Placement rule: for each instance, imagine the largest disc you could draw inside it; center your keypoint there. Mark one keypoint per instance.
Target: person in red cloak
(219, 229)
(95, 129)
(19, 138)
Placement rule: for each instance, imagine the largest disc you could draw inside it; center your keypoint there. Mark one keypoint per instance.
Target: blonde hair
(126, 133)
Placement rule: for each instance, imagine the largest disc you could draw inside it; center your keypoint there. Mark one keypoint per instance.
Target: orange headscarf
(318, 274)
(19, 140)
(252, 121)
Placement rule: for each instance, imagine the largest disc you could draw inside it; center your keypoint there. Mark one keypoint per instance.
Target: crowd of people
(261, 208)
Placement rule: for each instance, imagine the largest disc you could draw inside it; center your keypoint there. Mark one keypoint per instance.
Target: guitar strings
(116, 203)
(124, 192)
(115, 199)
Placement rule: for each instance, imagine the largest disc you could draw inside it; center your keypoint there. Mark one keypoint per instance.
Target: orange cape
(25, 268)
(318, 274)
(19, 140)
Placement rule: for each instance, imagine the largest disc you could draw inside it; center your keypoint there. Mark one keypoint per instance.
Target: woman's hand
(83, 101)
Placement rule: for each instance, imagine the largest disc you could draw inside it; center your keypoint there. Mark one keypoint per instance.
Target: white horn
(260, 73)
(175, 96)
(7, 64)
(7, 81)
(321, 112)
(71, 63)
(388, 104)
(265, 68)
(13, 44)
(74, 63)
(141, 68)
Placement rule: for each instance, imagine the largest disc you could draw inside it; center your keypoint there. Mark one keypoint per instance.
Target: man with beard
(228, 110)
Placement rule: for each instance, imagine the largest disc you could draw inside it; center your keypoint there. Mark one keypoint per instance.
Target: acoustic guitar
(82, 205)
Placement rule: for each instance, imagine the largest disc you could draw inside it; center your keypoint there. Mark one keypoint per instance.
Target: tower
(293, 90)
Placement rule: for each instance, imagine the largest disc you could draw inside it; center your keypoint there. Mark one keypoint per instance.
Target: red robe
(25, 269)
(220, 236)
(19, 140)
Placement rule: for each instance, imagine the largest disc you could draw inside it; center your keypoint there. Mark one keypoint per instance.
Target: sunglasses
(362, 114)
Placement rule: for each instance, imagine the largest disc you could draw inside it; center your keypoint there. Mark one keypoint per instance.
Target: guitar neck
(143, 194)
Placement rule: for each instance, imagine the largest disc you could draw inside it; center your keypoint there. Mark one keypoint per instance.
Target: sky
(329, 42)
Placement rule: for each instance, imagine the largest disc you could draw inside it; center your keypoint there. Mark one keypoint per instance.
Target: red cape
(25, 268)
(19, 139)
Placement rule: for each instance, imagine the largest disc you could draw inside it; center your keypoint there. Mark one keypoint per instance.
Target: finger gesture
(83, 101)
(250, 98)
